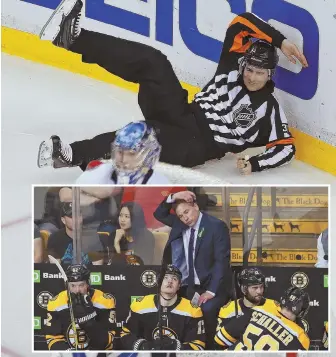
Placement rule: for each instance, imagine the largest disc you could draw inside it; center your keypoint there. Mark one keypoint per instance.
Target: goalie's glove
(83, 310)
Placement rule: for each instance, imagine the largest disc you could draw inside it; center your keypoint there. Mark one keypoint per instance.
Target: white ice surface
(38, 101)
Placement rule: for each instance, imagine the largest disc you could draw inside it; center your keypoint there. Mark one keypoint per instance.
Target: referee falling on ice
(235, 111)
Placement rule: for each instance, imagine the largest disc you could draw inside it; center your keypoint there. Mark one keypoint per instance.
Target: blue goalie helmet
(135, 151)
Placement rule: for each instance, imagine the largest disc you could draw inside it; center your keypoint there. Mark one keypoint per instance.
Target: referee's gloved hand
(244, 166)
(83, 310)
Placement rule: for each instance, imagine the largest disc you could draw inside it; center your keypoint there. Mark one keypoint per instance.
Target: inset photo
(203, 268)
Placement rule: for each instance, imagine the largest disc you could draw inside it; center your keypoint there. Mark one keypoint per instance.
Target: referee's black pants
(162, 99)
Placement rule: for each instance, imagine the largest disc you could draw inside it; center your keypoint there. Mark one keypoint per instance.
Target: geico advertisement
(198, 26)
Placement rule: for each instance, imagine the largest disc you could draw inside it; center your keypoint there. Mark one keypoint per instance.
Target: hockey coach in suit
(199, 245)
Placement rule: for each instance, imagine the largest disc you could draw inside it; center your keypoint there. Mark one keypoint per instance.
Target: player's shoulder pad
(298, 328)
(272, 304)
(304, 339)
(326, 326)
(103, 300)
(58, 302)
(144, 304)
(228, 310)
(186, 308)
(93, 164)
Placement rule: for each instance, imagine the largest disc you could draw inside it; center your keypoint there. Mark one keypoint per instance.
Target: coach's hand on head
(187, 196)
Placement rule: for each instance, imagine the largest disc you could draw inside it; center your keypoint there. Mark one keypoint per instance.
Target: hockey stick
(159, 283)
(160, 315)
(234, 293)
(65, 278)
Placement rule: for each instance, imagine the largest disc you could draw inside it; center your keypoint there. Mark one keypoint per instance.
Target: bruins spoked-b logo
(82, 338)
(166, 331)
(305, 325)
(43, 298)
(243, 116)
(300, 280)
(148, 278)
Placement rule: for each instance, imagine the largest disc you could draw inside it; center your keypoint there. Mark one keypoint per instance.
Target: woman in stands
(128, 239)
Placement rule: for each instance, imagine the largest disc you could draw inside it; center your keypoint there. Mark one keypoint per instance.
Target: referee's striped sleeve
(276, 156)
(280, 150)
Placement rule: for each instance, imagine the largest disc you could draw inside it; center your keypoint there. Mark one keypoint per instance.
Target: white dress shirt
(186, 239)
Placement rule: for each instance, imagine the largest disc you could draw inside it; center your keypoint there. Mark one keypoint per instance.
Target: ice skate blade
(52, 27)
(44, 157)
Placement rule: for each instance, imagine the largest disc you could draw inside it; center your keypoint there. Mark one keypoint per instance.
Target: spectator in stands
(128, 235)
(98, 204)
(60, 243)
(322, 250)
(101, 203)
(51, 220)
(38, 245)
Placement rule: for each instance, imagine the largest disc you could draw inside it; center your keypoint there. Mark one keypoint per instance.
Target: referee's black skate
(54, 152)
(63, 26)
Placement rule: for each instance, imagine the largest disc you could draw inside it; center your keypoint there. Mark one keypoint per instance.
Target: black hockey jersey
(239, 118)
(260, 330)
(227, 312)
(181, 321)
(60, 333)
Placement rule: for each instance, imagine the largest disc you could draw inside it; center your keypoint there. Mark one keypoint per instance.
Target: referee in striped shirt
(235, 111)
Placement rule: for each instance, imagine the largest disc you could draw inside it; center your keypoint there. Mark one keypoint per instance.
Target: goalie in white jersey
(135, 151)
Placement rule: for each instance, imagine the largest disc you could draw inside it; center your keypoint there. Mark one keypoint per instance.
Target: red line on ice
(15, 222)
(9, 352)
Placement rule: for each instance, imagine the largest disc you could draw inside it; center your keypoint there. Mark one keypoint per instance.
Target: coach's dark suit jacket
(212, 251)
